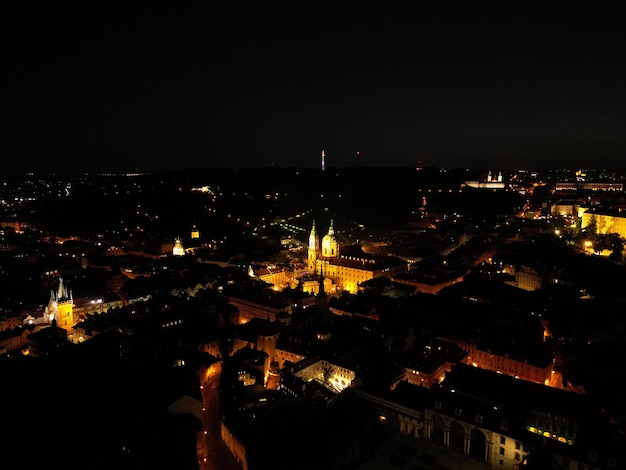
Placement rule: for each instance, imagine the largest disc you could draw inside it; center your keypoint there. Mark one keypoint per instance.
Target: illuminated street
(216, 454)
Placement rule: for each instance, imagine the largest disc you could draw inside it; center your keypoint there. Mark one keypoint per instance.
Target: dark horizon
(471, 172)
(107, 88)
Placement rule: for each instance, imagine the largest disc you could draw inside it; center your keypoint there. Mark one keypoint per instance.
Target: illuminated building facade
(288, 354)
(605, 223)
(91, 306)
(588, 185)
(276, 277)
(178, 249)
(528, 278)
(564, 208)
(333, 374)
(490, 182)
(311, 284)
(425, 378)
(537, 373)
(537, 368)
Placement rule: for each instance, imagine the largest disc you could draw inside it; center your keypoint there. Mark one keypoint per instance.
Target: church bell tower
(314, 248)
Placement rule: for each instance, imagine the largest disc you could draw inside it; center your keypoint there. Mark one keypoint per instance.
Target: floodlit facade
(347, 272)
(178, 249)
(588, 185)
(490, 182)
(605, 223)
(528, 278)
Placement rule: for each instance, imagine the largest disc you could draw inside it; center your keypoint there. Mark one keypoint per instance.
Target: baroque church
(347, 271)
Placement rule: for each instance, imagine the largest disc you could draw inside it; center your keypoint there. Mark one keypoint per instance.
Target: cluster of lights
(550, 435)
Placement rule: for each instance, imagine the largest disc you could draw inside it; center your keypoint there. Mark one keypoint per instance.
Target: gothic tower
(60, 307)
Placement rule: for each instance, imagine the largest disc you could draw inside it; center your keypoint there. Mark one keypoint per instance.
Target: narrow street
(215, 454)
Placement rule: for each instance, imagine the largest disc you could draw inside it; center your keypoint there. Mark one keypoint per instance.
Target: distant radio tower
(323, 160)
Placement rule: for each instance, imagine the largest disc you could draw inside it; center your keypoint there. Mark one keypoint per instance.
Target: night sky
(117, 86)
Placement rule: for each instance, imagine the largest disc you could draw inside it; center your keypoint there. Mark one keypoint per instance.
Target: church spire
(61, 291)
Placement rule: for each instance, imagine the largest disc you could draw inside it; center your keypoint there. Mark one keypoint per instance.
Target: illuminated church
(190, 244)
(490, 182)
(347, 271)
(178, 249)
(60, 307)
(329, 248)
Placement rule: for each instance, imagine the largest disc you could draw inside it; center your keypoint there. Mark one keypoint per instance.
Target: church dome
(330, 247)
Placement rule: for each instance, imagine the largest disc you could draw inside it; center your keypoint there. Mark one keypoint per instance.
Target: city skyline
(156, 87)
(222, 319)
